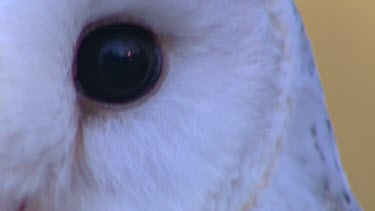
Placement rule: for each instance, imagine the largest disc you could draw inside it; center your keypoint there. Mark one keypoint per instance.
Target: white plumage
(238, 121)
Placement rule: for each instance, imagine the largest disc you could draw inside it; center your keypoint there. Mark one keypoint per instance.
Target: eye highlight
(118, 63)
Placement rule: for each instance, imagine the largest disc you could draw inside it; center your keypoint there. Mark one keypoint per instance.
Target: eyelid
(117, 19)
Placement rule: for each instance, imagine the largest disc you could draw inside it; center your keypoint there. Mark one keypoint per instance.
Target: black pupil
(118, 63)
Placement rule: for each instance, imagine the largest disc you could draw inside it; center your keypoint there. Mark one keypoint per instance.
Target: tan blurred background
(342, 33)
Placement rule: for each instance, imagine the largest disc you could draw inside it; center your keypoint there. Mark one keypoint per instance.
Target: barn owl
(114, 105)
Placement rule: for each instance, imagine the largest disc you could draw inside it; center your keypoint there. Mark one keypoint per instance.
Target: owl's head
(147, 105)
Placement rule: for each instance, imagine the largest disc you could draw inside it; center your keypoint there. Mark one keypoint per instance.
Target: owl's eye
(118, 63)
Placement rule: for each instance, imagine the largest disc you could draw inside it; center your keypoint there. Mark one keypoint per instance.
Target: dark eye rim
(158, 39)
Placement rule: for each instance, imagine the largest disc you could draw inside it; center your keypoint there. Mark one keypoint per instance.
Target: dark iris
(118, 63)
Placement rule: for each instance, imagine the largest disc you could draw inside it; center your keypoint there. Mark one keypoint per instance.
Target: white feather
(239, 123)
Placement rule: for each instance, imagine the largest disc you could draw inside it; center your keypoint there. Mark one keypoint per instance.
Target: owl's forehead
(165, 15)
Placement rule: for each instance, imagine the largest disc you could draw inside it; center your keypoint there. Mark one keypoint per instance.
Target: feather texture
(238, 123)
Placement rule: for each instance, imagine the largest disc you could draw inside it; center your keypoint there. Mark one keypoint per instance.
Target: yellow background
(342, 33)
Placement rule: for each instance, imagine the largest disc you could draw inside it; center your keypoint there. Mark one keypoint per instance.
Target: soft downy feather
(238, 123)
